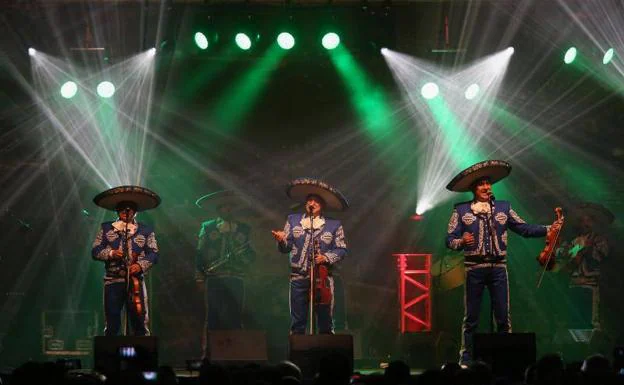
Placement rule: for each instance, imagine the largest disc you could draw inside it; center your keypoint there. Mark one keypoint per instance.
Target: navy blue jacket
(331, 242)
(464, 220)
(143, 243)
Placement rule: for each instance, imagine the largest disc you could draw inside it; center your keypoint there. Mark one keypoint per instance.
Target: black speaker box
(232, 346)
(307, 351)
(115, 355)
(509, 354)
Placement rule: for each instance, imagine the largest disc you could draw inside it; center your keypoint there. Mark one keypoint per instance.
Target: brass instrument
(225, 257)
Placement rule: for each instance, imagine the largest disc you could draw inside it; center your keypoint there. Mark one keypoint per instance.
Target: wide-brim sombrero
(494, 170)
(211, 202)
(143, 198)
(600, 214)
(300, 188)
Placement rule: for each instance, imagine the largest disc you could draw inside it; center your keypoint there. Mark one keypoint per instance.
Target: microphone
(492, 198)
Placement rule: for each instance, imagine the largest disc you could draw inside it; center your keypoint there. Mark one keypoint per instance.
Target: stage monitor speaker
(509, 354)
(119, 354)
(229, 346)
(307, 351)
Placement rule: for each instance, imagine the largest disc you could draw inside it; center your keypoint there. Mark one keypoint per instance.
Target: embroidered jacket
(299, 242)
(467, 217)
(223, 248)
(584, 253)
(141, 241)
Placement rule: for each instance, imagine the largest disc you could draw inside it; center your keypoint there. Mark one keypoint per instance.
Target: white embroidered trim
(468, 219)
(501, 218)
(453, 222)
(327, 237)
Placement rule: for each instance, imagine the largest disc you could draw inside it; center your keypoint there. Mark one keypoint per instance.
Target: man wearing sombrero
(224, 255)
(582, 256)
(311, 237)
(479, 228)
(126, 261)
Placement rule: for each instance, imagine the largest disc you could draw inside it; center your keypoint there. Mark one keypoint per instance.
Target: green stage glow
(367, 97)
(239, 99)
(570, 55)
(330, 40)
(430, 90)
(285, 40)
(106, 89)
(69, 90)
(201, 40)
(472, 91)
(608, 56)
(243, 41)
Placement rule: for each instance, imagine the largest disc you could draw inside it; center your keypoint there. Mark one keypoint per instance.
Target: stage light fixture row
(104, 89)
(431, 90)
(285, 40)
(572, 53)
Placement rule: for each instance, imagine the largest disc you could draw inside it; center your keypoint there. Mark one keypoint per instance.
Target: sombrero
(212, 201)
(598, 212)
(495, 170)
(300, 188)
(143, 198)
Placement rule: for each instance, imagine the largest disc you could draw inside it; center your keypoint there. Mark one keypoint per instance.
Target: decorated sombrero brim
(211, 202)
(601, 214)
(300, 188)
(495, 170)
(144, 199)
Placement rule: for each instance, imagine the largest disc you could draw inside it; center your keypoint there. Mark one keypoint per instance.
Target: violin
(135, 289)
(546, 257)
(322, 288)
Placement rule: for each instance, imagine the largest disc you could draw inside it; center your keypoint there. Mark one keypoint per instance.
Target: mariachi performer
(128, 250)
(479, 228)
(224, 256)
(312, 240)
(582, 256)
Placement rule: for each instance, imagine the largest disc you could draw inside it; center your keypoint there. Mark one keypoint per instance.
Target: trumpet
(227, 256)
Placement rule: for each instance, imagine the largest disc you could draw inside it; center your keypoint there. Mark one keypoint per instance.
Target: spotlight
(472, 91)
(384, 50)
(570, 55)
(429, 90)
(510, 50)
(242, 41)
(32, 51)
(201, 40)
(422, 207)
(330, 40)
(69, 90)
(106, 89)
(285, 40)
(608, 56)
(151, 52)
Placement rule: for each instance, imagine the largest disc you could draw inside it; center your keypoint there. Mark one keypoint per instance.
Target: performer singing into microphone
(479, 228)
(126, 262)
(326, 243)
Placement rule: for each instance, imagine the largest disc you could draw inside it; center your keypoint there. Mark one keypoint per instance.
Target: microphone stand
(312, 275)
(492, 247)
(126, 256)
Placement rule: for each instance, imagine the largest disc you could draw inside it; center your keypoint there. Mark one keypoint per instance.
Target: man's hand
(135, 269)
(468, 239)
(279, 236)
(320, 259)
(556, 226)
(117, 254)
